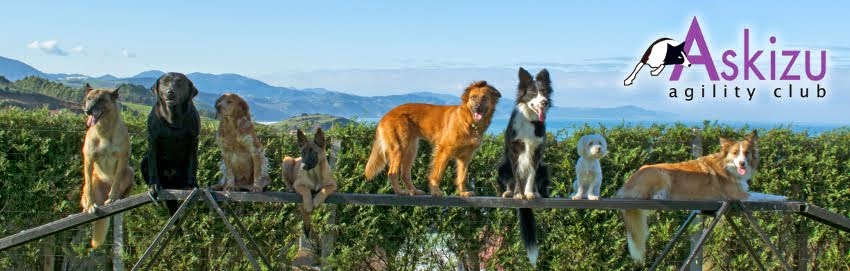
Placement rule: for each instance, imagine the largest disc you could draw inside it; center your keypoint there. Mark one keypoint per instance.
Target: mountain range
(272, 103)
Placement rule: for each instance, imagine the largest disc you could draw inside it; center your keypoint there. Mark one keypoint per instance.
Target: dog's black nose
(88, 111)
(741, 164)
(689, 65)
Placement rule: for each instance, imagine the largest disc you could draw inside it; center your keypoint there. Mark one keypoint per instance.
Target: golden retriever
(454, 131)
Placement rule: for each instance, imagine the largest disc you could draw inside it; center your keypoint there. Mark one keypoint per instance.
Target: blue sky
(380, 47)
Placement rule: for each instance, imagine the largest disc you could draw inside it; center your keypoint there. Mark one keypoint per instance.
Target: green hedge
(40, 178)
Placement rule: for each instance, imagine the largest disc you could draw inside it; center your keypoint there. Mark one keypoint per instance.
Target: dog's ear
(524, 78)
(477, 84)
(681, 47)
(581, 147)
(302, 139)
(543, 76)
(192, 86)
(725, 143)
(215, 105)
(320, 138)
(114, 93)
(87, 88)
(495, 92)
(244, 106)
(155, 87)
(752, 137)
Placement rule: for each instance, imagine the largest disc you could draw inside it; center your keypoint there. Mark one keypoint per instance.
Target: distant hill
(15, 70)
(310, 122)
(149, 74)
(32, 101)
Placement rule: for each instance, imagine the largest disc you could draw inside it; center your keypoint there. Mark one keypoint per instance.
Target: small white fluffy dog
(590, 149)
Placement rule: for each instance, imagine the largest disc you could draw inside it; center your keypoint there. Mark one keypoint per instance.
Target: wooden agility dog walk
(717, 209)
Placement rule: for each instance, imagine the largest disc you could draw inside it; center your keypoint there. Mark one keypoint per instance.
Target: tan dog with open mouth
(106, 156)
(243, 162)
(719, 176)
(454, 131)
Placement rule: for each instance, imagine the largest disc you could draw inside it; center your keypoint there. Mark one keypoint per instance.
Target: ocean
(498, 125)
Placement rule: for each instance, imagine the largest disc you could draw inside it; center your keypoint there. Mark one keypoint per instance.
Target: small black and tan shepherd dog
(522, 173)
(106, 156)
(311, 173)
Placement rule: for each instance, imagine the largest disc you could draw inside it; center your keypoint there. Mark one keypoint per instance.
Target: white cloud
(50, 47)
(80, 50)
(127, 54)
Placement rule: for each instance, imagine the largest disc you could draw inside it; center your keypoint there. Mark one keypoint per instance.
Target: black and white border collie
(522, 174)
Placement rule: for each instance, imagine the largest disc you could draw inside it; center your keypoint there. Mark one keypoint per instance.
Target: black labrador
(173, 128)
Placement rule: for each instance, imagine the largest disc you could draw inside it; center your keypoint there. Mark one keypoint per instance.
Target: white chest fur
(523, 126)
(525, 133)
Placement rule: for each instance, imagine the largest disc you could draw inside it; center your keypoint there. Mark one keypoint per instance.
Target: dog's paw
(256, 189)
(230, 187)
(466, 194)
(92, 209)
(519, 196)
(577, 197)
(627, 82)
(534, 195)
(593, 197)
(437, 193)
(508, 194)
(415, 192)
(108, 201)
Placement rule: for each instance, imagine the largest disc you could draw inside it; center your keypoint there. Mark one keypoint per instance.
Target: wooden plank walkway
(819, 214)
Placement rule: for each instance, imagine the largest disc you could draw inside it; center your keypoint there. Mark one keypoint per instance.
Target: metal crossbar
(718, 208)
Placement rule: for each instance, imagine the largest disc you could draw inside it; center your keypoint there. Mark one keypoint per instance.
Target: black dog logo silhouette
(660, 53)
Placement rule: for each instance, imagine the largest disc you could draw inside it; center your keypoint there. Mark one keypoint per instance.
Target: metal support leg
(743, 238)
(701, 242)
(675, 238)
(764, 237)
(248, 237)
(213, 204)
(173, 221)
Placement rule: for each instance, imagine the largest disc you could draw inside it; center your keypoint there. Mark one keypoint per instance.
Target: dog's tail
(527, 227)
(289, 172)
(98, 232)
(636, 233)
(377, 160)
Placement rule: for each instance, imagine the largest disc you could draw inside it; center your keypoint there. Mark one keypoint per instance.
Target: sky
(391, 47)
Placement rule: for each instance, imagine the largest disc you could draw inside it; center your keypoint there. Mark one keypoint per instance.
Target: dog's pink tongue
(477, 116)
(541, 115)
(742, 171)
(90, 121)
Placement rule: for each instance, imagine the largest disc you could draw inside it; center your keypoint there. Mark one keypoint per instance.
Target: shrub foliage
(41, 175)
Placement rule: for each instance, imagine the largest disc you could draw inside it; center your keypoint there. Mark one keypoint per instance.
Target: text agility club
(781, 68)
